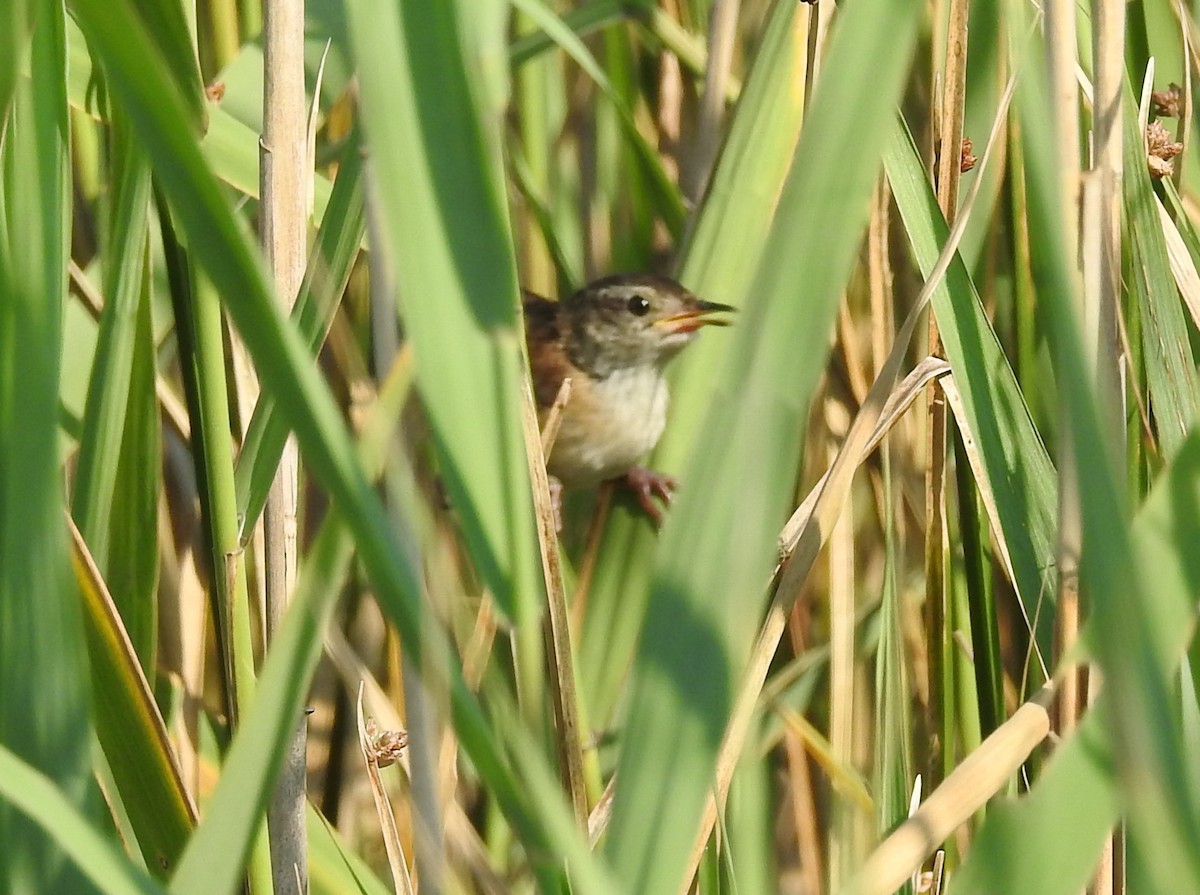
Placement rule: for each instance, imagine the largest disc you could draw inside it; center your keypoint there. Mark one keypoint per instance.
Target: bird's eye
(639, 305)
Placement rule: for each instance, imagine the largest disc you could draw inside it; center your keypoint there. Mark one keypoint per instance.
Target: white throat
(625, 414)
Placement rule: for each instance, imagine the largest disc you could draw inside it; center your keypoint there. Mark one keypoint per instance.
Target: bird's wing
(547, 356)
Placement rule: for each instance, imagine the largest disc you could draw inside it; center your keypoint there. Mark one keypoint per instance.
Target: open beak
(696, 316)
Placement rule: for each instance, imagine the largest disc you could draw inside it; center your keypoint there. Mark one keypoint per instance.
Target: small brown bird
(612, 338)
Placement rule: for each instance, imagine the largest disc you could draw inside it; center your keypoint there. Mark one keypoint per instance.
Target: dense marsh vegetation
(934, 551)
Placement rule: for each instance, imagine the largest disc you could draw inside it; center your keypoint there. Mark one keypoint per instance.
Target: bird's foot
(646, 484)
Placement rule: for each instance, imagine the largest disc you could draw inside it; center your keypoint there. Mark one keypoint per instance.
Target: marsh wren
(612, 338)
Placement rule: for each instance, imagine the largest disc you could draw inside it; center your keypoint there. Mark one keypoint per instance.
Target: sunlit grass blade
(437, 170)
(719, 543)
(14, 35)
(115, 416)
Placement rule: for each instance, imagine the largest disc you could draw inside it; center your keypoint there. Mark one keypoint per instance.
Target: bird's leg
(646, 484)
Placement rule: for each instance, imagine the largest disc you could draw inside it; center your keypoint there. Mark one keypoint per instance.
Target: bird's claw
(646, 484)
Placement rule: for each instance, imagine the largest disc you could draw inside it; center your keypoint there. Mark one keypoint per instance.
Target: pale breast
(609, 425)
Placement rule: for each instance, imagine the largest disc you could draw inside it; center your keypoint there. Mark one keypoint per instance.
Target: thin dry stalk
(462, 839)
(841, 670)
(591, 554)
(1102, 295)
(776, 621)
(564, 695)
(965, 790)
(371, 752)
(601, 812)
(819, 17)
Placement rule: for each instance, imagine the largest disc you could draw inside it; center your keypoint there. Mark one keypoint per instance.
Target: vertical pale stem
(843, 856)
(1102, 306)
(283, 182)
(722, 33)
(1102, 273)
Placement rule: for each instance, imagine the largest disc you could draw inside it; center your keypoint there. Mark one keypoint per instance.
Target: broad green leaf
(35, 795)
(719, 262)
(444, 226)
(719, 543)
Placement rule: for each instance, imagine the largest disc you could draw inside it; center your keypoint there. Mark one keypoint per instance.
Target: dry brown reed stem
(805, 532)
(967, 788)
(601, 812)
(846, 824)
(949, 123)
(563, 692)
(383, 808)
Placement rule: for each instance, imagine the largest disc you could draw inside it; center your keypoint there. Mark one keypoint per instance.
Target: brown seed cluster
(1161, 147)
(1167, 103)
(386, 745)
(967, 160)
